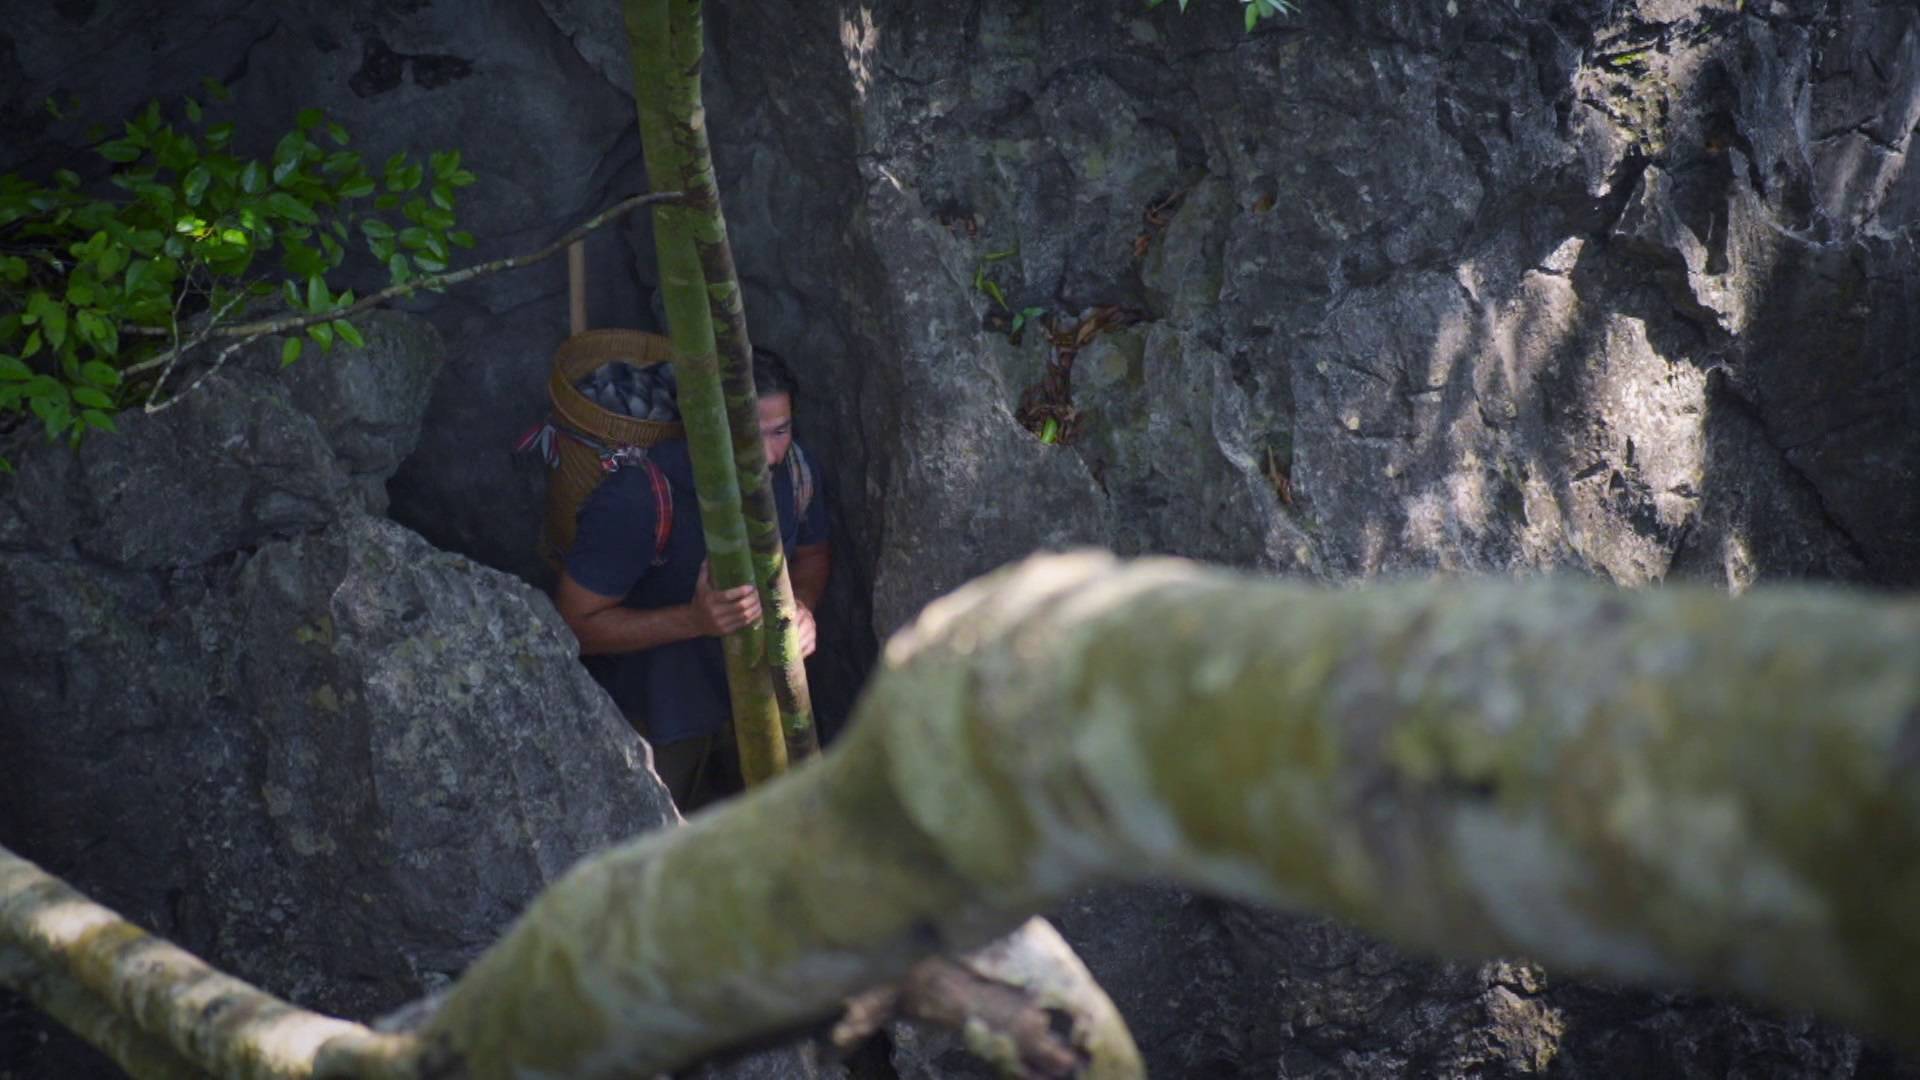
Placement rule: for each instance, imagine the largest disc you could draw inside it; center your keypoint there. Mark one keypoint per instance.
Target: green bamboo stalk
(707, 227)
(666, 110)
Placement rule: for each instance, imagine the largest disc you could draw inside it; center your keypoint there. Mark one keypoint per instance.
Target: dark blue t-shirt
(680, 689)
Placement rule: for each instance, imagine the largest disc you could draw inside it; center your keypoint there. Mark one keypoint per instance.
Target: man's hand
(803, 624)
(717, 613)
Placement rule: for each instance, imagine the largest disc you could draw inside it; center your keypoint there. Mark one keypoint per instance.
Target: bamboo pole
(665, 108)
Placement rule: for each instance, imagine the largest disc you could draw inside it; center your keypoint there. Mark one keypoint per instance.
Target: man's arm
(811, 565)
(604, 625)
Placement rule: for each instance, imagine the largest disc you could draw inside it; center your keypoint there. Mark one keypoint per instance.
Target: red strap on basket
(663, 516)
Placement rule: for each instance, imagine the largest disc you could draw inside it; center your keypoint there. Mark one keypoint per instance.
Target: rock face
(1619, 288)
(289, 735)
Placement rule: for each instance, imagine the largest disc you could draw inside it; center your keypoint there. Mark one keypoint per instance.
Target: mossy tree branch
(1669, 785)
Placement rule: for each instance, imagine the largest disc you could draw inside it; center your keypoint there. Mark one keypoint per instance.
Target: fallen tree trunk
(1667, 785)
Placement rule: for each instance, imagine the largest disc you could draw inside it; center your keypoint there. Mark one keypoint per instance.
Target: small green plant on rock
(1255, 10)
(105, 287)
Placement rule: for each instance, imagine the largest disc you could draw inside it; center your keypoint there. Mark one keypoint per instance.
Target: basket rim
(587, 351)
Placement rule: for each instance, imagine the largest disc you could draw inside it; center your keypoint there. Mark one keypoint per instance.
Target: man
(647, 615)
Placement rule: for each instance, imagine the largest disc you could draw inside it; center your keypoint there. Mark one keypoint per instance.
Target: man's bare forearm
(809, 569)
(620, 629)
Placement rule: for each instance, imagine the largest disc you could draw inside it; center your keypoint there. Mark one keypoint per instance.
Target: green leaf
(398, 269)
(47, 388)
(54, 413)
(215, 89)
(301, 259)
(432, 264)
(291, 208)
(348, 333)
(358, 187)
(376, 229)
(317, 296)
(1023, 316)
(322, 334)
(290, 350)
(253, 178)
(66, 178)
(1050, 431)
(100, 374)
(338, 134)
(99, 421)
(220, 134)
(461, 239)
(386, 202)
(308, 119)
(463, 178)
(442, 195)
(121, 150)
(194, 187)
(193, 111)
(992, 288)
(87, 395)
(996, 256)
(1253, 17)
(112, 260)
(13, 369)
(52, 317)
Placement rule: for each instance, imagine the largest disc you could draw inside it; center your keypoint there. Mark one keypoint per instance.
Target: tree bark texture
(1670, 785)
(707, 227)
(158, 1011)
(667, 109)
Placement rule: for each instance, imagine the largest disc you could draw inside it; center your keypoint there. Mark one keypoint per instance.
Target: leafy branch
(345, 305)
(95, 283)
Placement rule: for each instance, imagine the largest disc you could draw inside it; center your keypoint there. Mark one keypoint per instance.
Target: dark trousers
(699, 771)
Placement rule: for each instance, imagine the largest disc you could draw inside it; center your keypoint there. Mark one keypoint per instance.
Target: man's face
(776, 426)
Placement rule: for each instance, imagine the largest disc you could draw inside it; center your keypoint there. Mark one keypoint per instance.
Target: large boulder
(287, 734)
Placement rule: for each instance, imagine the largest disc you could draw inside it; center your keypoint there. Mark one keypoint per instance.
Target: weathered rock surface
(290, 736)
(1622, 288)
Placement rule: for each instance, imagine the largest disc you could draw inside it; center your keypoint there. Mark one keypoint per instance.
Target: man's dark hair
(771, 374)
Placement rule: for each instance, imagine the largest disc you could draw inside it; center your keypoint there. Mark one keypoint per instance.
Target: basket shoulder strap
(663, 511)
(801, 473)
